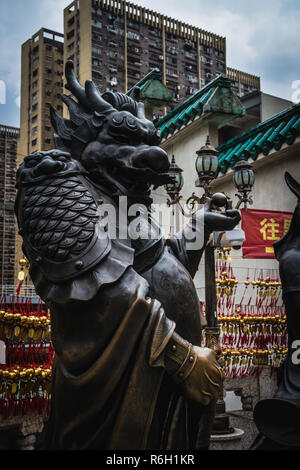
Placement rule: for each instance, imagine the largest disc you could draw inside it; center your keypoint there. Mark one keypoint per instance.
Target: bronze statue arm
(195, 370)
(189, 245)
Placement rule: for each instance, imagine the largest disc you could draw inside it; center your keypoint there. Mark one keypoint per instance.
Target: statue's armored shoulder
(57, 212)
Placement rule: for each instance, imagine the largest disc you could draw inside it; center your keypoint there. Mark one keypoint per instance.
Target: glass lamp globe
(244, 177)
(207, 162)
(176, 173)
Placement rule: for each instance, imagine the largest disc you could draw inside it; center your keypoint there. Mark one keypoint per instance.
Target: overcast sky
(262, 38)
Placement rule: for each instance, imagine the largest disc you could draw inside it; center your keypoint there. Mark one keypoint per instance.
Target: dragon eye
(117, 121)
(131, 123)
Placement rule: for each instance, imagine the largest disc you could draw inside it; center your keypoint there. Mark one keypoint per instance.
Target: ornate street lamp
(244, 180)
(207, 167)
(173, 189)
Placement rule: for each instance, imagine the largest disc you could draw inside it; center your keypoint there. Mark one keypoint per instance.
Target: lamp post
(207, 167)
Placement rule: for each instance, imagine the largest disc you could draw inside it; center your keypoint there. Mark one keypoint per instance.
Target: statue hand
(194, 369)
(204, 382)
(218, 222)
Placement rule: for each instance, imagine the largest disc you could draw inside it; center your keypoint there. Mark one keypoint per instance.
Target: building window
(70, 34)
(48, 58)
(96, 76)
(70, 47)
(132, 35)
(48, 48)
(170, 49)
(71, 21)
(35, 72)
(34, 107)
(35, 95)
(96, 50)
(170, 60)
(112, 54)
(35, 85)
(34, 119)
(96, 23)
(220, 65)
(96, 37)
(34, 142)
(96, 63)
(172, 73)
(35, 61)
(34, 130)
(192, 78)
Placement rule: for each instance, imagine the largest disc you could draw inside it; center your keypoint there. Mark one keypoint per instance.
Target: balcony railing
(8, 290)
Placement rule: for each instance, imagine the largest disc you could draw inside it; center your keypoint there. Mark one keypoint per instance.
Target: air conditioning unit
(114, 82)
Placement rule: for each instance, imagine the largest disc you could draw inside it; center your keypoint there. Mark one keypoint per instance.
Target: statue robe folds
(112, 313)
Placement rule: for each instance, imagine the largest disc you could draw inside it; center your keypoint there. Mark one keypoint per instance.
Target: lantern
(173, 188)
(244, 180)
(243, 176)
(207, 163)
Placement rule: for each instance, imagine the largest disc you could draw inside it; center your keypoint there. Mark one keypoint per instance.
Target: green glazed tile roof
(192, 107)
(271, 134)
(155, 74)
(153, 90)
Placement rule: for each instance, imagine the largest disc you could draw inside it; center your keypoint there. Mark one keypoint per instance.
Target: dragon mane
(88, 113)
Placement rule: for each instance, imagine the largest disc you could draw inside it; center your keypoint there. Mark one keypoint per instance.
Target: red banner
(263, 229)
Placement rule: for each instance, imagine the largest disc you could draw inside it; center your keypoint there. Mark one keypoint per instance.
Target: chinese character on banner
(263, 229)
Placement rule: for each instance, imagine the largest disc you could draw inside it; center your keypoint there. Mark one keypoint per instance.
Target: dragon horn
(74, 86)
(97, 103)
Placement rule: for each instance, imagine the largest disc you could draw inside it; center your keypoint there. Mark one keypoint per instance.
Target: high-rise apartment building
(41, 84)
(116, 43)
(8, 166)
(243, 83)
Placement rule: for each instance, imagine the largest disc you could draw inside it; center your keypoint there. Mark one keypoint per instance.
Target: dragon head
(111, 137)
